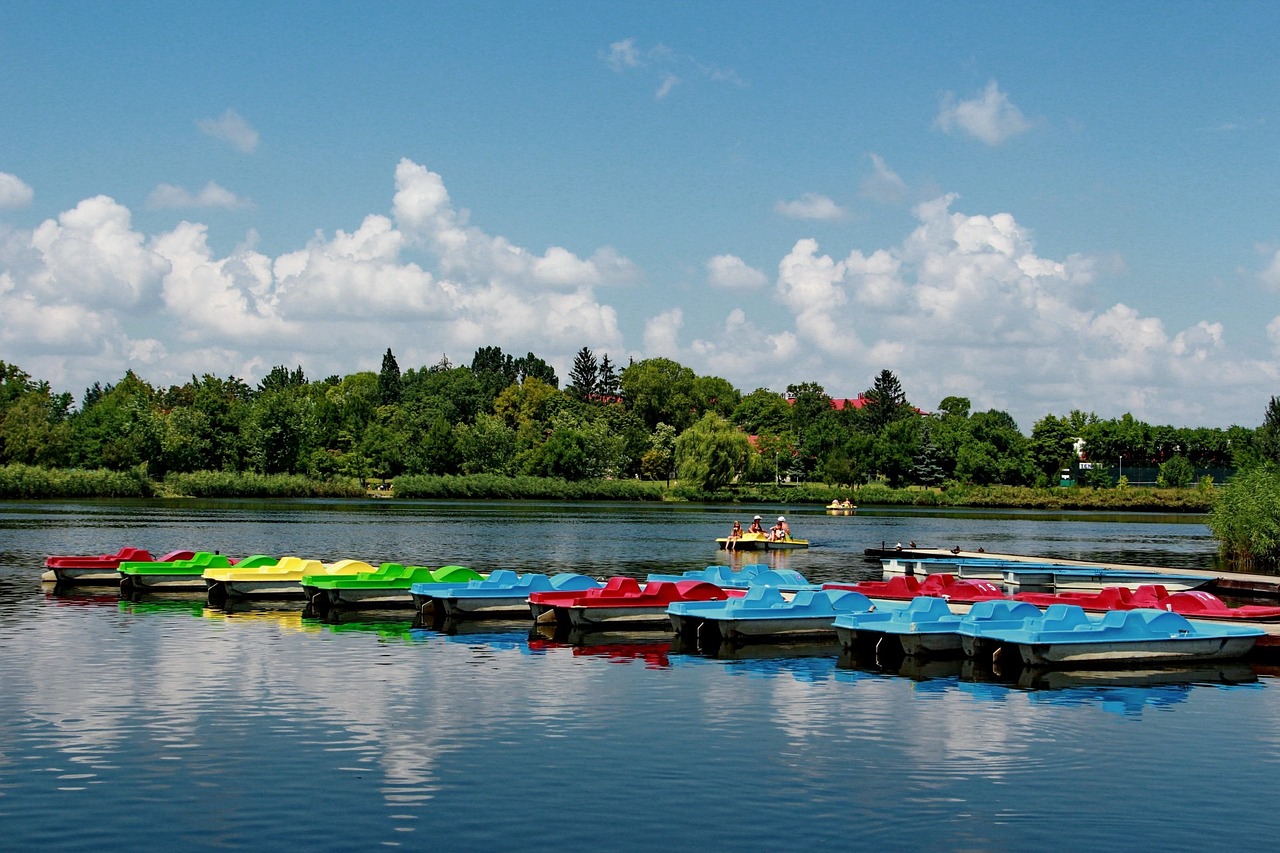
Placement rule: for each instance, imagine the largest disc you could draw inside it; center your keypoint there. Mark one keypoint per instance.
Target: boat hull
(783, 626)
(1160, 651)
(620, 617)
(82, 576)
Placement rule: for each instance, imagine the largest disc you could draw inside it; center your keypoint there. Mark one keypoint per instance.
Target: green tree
(486, 447)
(711, 453)
(1176, 473)
(886, 402)
(389, 386)
(659, 390)
(584, 376)
(762, 411)
(608, 383)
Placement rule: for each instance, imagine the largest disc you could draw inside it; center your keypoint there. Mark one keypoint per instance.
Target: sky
(1041, 207)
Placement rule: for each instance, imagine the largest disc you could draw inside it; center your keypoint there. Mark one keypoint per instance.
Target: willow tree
(711, 453)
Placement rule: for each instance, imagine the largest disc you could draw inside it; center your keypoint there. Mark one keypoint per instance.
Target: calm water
(162, 722)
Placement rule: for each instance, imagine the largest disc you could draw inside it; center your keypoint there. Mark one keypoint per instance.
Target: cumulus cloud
(14, 192)
(230, 128)
(210, 196)
(966, 305)
(1270, 275)
(732, 273)
(963, 303)
(990, 117)
(422, 279)
(810, 206)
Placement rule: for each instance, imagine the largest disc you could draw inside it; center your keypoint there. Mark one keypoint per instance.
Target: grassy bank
(31, 482)
(525, 488)
(1005, 497)
(222, 484)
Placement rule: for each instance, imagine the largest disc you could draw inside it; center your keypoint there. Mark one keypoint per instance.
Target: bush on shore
(225, 484)
(32, 482)
(525, 488)
(1246, 521)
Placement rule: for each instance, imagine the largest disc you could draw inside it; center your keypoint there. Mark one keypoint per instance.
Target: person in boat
(780, 531)
(734, 535)
(848, 504)
(756, 526)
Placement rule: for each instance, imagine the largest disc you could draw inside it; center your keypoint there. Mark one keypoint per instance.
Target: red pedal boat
(102, 569)
(906, 587)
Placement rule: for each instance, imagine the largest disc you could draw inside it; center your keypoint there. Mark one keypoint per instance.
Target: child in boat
(779, 531)
(734, 535)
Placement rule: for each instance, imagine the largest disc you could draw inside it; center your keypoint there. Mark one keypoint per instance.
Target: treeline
(653, 420)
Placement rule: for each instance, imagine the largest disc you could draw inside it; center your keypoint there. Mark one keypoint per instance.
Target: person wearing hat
(779, 531)
(756, 526)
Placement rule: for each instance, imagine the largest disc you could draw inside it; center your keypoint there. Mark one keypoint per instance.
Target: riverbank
(30, 482)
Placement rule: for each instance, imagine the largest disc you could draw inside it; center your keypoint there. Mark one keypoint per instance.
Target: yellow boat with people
(777, 538)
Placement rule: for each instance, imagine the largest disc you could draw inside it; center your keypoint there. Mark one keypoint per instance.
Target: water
(163, 722)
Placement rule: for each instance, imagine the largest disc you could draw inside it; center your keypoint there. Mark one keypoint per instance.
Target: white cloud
(810, 206)
(732, 273)
(962, 304)
(211, 196)
(990, 117)
(623, 55)
(883, 184)
(668, 67)
(231, 128)
(78, 285)
(661, 334)
(1270, 275)
(14, 192)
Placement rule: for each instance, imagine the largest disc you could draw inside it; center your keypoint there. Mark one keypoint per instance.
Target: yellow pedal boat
(761, 542)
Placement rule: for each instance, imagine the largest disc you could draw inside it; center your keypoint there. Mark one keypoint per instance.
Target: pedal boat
(103, 569)
(180, 575)
(1067, 636)
(760, 542)
(505, 594)
(906, 587)
(749, 575)
(765, 614)
(1193, 603)
(926, 626)
(388, 587)
(628, 605)
(1020, 573)
(279, 582)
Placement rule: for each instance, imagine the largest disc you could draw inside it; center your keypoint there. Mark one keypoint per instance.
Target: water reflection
(256, 727)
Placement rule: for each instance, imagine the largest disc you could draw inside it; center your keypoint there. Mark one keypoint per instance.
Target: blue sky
(1040, 207)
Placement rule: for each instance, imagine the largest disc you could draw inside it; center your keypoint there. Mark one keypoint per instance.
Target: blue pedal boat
(925, 626)
(749, 575)
(764, 613)
(506, 593)
(928, 627)
(1067, 636)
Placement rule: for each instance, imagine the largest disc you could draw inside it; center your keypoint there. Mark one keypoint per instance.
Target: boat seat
(503, 577)
(763, 595)
(848, 601)
(927, 607)
(1064, 617)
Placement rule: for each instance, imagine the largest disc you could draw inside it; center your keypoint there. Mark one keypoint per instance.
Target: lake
(162, 722)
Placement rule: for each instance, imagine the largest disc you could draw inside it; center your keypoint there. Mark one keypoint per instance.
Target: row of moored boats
(925, 608)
